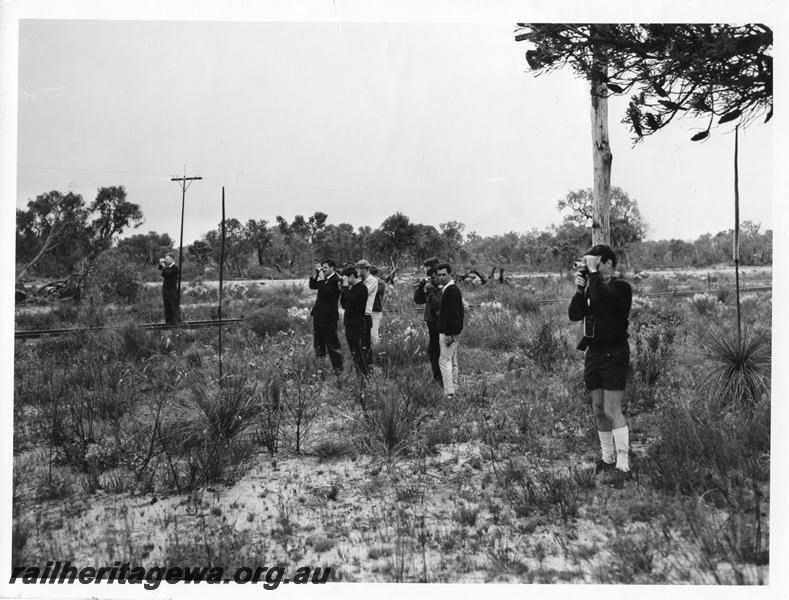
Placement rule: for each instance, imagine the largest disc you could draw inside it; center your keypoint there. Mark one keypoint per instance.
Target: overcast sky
(441, 121)
(358, 108)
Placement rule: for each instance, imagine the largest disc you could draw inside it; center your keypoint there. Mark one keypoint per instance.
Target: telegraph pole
(184, 186)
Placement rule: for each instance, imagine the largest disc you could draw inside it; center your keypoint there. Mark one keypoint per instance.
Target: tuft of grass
(739, 369)
(51, 487)
(635, 556)
(699, 447)
(135, 343)
(401, 350)
(333, 449)
(230, 410)
(467, 515)
(390, 416)
(651, 346)
(547, 347)
(208, 443)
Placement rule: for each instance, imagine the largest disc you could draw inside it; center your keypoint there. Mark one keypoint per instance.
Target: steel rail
(37, 333)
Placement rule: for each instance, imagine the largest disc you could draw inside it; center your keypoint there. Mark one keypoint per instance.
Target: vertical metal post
(221, 281)
(737, 234)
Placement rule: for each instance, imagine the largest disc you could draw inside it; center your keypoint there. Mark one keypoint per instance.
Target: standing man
(603, 303)
(428, 292)
(378, 308)
(170, 297)
(354, 301)
(450, 324)
(371, 283)
(325, 313)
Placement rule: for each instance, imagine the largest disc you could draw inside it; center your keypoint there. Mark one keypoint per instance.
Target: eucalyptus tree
(715, 71)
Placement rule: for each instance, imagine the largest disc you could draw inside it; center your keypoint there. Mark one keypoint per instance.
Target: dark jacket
(609, 304)
(450, 312)
(379, 297)
(169, 277)
(354, 301)
(425, 293)
(328, 294)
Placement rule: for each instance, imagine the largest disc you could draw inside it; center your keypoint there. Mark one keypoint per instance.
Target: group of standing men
(601, 301)
(360, 293)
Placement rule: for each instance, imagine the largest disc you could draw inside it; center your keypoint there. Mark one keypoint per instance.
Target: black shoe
(601, 466)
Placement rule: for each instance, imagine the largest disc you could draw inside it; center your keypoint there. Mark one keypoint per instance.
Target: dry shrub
(269, 320)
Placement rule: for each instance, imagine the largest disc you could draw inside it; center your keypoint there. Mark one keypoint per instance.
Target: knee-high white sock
(622, 442)
(607, 445)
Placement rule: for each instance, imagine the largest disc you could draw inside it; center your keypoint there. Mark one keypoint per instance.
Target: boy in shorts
(603, 302)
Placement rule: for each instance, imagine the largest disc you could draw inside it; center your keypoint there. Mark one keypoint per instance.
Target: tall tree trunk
(601, 157)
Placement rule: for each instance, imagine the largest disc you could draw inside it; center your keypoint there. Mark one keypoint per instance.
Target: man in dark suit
(450, 324)
(170, 297)
(354, 301)
(325, 313)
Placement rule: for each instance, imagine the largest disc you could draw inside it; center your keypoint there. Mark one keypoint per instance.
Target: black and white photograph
(378, 293)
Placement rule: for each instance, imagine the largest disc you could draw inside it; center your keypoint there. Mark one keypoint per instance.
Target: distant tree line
(60, 235)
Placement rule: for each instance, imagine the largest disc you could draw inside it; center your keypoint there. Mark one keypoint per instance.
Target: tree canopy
(713, 71)
(57, 231)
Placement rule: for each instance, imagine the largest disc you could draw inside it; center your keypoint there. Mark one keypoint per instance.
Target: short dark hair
(348, 271)
(330, 262)
(604, 252)
(444, 265)
(431, 262)
(373, 270)
(431, 271)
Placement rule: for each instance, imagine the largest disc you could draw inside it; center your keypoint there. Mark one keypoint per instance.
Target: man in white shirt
(378, 308)
(372, 288)
(451, 313)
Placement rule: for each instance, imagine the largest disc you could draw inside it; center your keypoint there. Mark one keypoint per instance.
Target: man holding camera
(450, 324)
(325, 313)
(428, 292)
(354, 300)
(602, 302)
(170, 297)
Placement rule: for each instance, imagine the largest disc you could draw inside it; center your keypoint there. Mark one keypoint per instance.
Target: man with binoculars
(603, 302)
(170, 296)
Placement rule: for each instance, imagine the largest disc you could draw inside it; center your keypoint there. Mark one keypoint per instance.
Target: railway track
(38, 333)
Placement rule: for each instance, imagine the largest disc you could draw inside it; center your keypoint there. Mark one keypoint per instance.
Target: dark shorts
(605, 367)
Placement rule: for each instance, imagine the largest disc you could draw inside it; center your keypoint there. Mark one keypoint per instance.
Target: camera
(580, 266)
